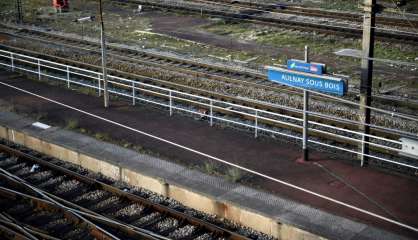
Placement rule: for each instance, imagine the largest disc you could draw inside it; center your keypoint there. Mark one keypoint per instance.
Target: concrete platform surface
(388, 195)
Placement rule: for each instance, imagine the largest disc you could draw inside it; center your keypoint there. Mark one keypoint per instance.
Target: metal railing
(259, 120)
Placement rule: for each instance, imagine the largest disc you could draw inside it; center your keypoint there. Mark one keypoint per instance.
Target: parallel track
(316, 12)
(341, 140)
(218, 96)
(223, 74)
(256, 16)
(99, 200)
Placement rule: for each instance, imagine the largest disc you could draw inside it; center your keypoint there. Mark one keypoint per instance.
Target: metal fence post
(363, 148)
(13, 61)
(68, 77)
(133, 93)
(171, 104)
(211, 113)
(98, 80)
(305, 124)
(39, 70)
(256, 124)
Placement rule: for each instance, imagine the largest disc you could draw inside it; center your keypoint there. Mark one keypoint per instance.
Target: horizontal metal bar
(354, 132)
(189, 98)
(368, 155)
(352, 207)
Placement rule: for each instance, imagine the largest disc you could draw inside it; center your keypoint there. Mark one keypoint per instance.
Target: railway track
(26, 177)
(334, 137)
(223, 74)
(316, 12)
(338, 122)
(258, 17)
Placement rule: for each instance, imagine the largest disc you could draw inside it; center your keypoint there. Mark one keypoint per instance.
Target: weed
(234, 174)
(72, 124)
(102, 136)
(41, 116)
(210, 167)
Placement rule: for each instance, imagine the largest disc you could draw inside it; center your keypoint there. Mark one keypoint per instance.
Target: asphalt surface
(392, 196)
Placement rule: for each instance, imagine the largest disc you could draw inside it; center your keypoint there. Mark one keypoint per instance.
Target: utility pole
(103, 43)
(366, 75)
(19, 12)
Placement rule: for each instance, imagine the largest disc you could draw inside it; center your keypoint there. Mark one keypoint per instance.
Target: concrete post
(366, 75)
(103, 45)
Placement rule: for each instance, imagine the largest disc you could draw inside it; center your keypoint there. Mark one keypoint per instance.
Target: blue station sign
(301, 66)
(320, 83)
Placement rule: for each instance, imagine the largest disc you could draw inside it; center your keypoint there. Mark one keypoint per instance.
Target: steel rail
(305, 26)
(228, 111)
(176, 65)
(324, 96)
(314, 12)
(8, 232)
(130, 230)
(98, 185)
(282, 182)
(46, 205)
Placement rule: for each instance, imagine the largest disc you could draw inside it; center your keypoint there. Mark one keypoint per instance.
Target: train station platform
(389, 195)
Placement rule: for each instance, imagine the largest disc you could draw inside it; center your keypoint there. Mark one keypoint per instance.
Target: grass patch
(71, 124)
(234, 174)
(102, 136)
(210, 167)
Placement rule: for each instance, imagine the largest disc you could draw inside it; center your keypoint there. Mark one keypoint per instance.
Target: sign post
(309, 76)
(305, 125)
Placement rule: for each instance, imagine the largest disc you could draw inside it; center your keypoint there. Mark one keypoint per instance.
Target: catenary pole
(103, 46)
(366, 76)
(19, 11)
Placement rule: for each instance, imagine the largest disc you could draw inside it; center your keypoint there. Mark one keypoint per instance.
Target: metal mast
(366, 75)
(19, 11)
(103, 43)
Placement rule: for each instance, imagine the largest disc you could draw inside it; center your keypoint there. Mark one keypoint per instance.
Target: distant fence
(213, 110)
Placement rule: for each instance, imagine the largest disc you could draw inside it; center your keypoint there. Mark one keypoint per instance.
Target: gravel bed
(91, 196)
(184, 232)
(113, 200)
(8, 161)
(129, 211)
(258, 94)
(16, 167)
(41, 176)
(167, 224)
(52, 181)
(146, 219)
(101, 198)
(68, 186)
(51, 225)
